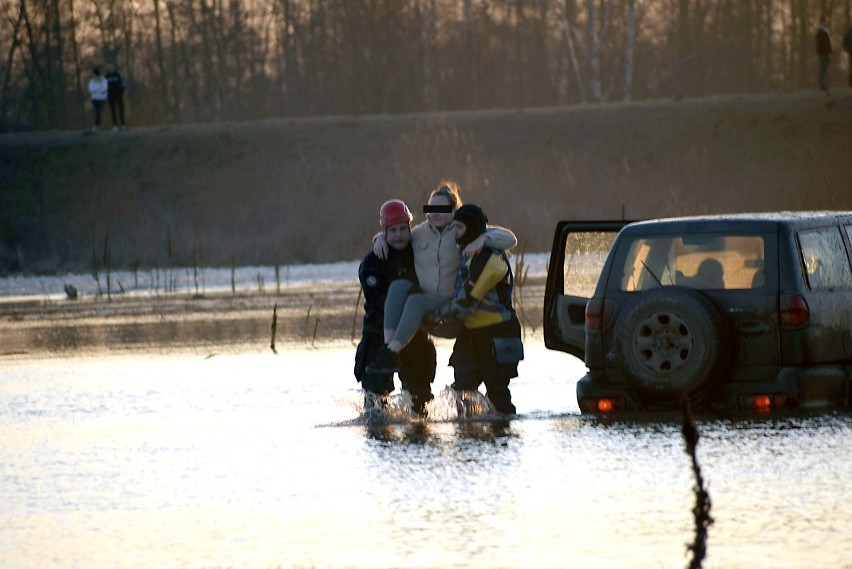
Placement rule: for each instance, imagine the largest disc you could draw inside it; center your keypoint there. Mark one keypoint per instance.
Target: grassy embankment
(282, 191)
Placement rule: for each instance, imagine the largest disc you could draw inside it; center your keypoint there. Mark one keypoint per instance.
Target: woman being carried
(436, 262)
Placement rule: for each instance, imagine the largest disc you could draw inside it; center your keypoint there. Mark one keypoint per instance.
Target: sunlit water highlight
(261, 460)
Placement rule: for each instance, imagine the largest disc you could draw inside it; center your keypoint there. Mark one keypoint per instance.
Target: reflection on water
(258, 460)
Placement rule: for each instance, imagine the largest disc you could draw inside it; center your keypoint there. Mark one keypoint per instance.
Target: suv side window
(585, 254)
(708, 261)
(825, 260)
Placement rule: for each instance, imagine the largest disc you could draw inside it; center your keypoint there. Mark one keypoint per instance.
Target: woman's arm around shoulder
(499, 237)
(496, 237)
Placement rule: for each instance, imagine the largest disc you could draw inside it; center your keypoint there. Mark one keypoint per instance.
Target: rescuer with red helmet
(417, 360)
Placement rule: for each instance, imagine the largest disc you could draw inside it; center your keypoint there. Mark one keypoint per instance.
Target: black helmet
(474, 220)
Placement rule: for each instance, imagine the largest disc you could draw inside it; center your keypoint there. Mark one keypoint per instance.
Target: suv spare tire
(669, 341)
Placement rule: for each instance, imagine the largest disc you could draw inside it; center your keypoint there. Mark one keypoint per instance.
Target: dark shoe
(375, 402)
(386, 361)
(418, 405)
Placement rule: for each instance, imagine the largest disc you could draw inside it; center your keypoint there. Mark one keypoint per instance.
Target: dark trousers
(99, 108)
(824, 61)
(475, 361)
(418, 361)
(116, 109)
(850, 69)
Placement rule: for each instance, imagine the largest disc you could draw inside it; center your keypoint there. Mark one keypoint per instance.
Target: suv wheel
(672, 340)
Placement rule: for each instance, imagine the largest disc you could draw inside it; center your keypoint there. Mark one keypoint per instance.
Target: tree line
(190, 61)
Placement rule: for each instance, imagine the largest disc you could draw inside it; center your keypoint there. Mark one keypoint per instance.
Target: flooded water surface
(263, 460)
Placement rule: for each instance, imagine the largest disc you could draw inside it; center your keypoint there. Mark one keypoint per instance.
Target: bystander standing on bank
(98, 88)
(823, 51)
(115, 96)
(847, 47)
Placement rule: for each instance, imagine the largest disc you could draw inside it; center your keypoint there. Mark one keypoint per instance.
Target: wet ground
(248, 458)
(163, 431)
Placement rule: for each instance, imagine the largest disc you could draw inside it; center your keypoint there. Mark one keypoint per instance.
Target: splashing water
(448, 405)
(452, 405)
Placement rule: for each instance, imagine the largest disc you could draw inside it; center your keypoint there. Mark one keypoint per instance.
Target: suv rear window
(825, 260)
(705, 261)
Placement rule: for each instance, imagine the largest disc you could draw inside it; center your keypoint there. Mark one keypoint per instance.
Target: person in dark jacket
(489, 346)
(115, 96)
(418, 359)
(823, 51)
(847, 47)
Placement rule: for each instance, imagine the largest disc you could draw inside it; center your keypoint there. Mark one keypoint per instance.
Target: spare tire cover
(672, 340)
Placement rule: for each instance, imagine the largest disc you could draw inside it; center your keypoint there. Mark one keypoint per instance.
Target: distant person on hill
(116, 96)
(847, 47)
(418, 359)
(436, 262)
(98, 88)
(823, 50)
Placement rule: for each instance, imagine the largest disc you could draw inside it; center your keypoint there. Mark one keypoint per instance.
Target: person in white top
(436, 262)
(98, 89)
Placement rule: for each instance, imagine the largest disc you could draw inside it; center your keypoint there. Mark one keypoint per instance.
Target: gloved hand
(457, 309)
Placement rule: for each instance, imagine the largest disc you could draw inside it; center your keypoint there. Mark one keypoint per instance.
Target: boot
(387, 361)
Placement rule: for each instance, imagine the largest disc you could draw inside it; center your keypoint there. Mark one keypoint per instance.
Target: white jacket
(437, 257)
(98, 88)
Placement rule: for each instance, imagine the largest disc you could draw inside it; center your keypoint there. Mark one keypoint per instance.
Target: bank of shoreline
(306, 316)
(281, 192)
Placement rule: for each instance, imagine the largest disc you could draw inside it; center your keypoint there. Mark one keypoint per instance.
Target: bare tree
(210, 60)
(629, 49)
(161, 59)
(566, 13)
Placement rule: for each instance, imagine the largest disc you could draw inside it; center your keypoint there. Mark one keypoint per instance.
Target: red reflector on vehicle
(794, 311)
(761, 403)
(602, 405)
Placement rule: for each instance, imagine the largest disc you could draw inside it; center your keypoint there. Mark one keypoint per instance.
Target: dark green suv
(745, 311)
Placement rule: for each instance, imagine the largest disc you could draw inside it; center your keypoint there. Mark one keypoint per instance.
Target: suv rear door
(731, 261)
(825, 260)
(579, 251)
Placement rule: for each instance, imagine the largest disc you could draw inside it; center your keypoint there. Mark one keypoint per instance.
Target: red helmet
(394, 212)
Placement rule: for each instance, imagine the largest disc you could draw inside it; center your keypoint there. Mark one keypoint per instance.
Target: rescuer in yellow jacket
(489, 346)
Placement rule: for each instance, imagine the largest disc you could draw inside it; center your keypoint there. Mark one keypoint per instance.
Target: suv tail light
(764, 402)
(602, 405)
(794, 311)
(594, 315)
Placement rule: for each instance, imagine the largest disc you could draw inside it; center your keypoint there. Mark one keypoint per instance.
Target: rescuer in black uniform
(418, 359)
(489, 346)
